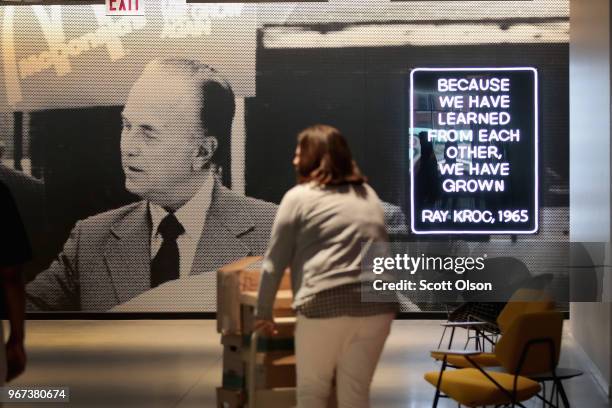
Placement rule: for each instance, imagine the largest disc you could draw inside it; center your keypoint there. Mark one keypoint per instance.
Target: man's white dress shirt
(191, 216)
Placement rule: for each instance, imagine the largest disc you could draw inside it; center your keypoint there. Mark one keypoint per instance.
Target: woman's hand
(266, 326)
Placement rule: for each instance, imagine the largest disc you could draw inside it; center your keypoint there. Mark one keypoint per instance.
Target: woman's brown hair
(325, 157)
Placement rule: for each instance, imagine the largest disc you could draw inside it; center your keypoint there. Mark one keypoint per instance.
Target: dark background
(77, 153)
(364, 92)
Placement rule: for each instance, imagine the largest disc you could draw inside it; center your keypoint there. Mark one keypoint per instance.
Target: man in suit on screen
(176, 130)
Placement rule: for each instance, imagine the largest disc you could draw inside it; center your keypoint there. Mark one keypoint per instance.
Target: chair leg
(561, 391)
(442, 338)
(436, 398)
(439, 383)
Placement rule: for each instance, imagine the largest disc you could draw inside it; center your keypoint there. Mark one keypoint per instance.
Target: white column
(590, 168)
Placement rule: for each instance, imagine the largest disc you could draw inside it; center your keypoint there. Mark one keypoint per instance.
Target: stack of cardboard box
(274, 368)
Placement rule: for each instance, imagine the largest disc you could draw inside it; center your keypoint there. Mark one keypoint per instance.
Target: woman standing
(319, 231)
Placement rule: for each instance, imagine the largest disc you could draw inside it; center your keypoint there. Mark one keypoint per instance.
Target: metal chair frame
(513, 401)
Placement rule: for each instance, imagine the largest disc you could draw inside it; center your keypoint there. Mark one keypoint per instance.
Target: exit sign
(125, 7)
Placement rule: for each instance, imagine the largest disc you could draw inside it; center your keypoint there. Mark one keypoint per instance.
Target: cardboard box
(281, 311)
(233, 363)
(283, 341)
(266, 376)
(233, 280)
(278, 373)
(233, 381)
(230, 398)
(276, 398)
(236, 353)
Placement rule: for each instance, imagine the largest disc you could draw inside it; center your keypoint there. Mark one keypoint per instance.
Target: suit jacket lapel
(221, 241)
(128, 254)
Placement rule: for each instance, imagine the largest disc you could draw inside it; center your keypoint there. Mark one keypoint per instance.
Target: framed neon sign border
(536, 151)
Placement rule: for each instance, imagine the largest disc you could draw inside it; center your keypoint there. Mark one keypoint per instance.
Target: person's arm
(11, 278)
(278, 256)
(15, 252)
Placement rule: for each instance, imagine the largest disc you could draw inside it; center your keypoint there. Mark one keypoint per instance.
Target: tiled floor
(178, 364)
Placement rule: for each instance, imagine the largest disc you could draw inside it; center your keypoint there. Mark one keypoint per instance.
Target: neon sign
(477, 167)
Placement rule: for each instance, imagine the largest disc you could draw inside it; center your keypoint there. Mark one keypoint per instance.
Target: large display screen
(96, 117)
(476, 171)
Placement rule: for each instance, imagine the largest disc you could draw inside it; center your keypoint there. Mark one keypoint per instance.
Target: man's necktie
(166, 264)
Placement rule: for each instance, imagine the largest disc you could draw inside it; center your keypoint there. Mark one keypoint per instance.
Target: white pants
(345, 347)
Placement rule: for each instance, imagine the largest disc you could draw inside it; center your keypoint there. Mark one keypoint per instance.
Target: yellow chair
(522, 301)
(531, 344)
